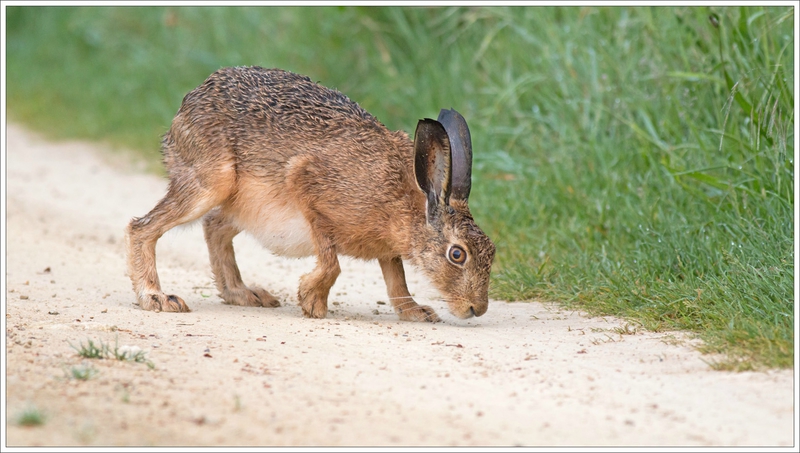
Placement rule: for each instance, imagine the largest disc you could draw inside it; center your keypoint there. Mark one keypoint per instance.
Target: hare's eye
(457, 255)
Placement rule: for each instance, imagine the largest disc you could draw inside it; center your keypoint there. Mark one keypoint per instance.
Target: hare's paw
(267, 299)
(314, 309)
(158, 302)
(249, 297)
(312, 297)
(418, 313)
(313, 305)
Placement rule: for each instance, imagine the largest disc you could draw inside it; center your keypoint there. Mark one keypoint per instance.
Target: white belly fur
(277, 224)
(287, 234)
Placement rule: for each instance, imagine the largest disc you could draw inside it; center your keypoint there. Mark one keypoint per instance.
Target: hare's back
(258, 99)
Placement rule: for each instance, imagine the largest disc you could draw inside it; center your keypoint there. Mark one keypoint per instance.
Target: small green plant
(31, 416)
(90, 350)
(131, 354)
(82, 372)
(104, 351)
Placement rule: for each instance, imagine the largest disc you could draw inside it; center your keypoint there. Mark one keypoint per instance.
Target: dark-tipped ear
(461, 151)
(432, 165)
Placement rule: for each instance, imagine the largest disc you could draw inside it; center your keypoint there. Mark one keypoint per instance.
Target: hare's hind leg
(404, 305)
(219, 233)
(178, 206)
(192, 192)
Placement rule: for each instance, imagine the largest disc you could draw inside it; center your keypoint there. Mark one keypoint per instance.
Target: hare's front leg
(404, 305)
(219, 233)
(315, 286)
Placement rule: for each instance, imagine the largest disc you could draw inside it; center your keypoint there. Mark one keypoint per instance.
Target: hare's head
(455, 254)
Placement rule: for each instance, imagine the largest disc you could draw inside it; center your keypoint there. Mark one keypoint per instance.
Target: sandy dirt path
(524, 374)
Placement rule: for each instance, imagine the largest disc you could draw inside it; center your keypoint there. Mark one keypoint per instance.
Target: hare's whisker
(408, 306)
(441, 299)
(412, 302)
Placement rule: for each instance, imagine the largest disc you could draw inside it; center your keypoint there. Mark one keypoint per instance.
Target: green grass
(628, 161)
(82, 372)
(30, 416)
(90, 350)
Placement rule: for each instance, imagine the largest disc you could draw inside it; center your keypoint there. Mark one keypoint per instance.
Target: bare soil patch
(525, 374)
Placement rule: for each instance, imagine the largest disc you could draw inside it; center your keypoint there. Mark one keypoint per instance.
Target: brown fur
(308, 172)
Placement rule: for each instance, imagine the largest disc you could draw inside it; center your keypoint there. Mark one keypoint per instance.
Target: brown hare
(308, 172)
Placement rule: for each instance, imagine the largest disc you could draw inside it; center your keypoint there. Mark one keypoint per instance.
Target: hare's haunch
(307, 171)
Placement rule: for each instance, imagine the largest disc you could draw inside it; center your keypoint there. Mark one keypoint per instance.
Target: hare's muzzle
(469, 310)
(478, 309)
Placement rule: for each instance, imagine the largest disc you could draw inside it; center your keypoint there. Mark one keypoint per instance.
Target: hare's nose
(479, 311)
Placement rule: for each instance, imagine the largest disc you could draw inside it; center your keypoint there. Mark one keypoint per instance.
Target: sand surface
(524, 374)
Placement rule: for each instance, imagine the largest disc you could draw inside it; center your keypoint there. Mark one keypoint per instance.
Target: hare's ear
(432, 166)
(461, 152)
